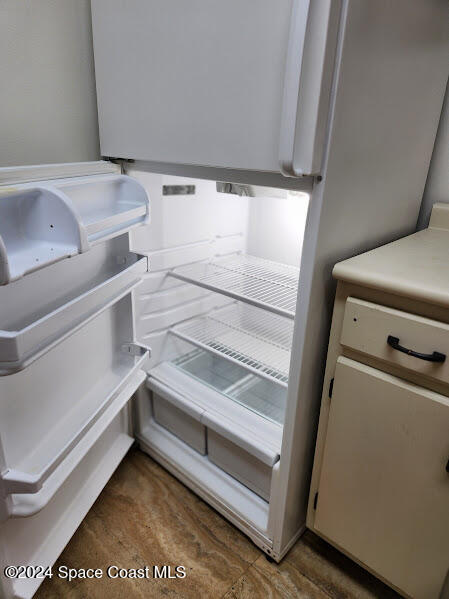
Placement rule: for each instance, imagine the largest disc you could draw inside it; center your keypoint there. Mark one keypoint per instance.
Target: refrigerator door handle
(292, 78)
(312, 52)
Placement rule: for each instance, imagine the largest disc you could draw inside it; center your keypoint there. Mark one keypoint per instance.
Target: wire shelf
(259, 282)
(255, 339)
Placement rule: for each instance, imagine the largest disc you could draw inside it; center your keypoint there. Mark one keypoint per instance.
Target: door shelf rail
(256, 340)
(262, 283)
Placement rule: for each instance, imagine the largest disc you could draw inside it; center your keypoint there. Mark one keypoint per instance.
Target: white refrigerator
(178, 292)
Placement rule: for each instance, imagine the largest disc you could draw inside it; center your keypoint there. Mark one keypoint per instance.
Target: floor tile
(144, 516)
(92, 546)
(333, 572)
(283, 581)
(154, 520)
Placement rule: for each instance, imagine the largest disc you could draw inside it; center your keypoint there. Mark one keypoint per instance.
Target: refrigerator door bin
(39, 539)
(38, 227)
(52, 418)
(252, 338)
(177, 415)
(107, 204)
(24, 504)
(33, 324)
(42, 225)
(262, 283)
(246, 468)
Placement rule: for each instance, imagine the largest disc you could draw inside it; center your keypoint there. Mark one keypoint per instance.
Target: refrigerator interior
(217, 308)
(219, 300)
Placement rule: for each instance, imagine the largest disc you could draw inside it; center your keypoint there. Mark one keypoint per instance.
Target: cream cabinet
(380, 484)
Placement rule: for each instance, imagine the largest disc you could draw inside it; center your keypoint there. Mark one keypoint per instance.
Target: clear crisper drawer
(249, 390)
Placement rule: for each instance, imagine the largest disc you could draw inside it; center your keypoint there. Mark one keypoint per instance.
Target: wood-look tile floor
(144, 516)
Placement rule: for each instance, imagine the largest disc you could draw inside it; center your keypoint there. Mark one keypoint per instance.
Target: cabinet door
(384, 488)
(202, 82)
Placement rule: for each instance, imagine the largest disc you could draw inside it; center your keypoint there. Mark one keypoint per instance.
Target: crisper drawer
(66, 499)
(177, 415)
(235, 440)
(412, 342)
(246, 468)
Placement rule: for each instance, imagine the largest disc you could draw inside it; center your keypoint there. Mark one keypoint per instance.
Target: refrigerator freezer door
(213, 83)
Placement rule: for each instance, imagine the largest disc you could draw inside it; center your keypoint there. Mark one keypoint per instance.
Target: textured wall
(48, 109)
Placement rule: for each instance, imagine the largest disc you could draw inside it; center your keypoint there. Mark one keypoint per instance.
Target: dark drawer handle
(434, 357)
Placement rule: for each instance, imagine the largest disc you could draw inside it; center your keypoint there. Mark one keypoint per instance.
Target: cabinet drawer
(367, 327)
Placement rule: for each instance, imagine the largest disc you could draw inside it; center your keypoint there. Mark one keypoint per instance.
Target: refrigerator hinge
(120, 161)
(331, 387)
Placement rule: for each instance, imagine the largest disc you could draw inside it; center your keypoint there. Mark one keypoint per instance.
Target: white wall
(276, 227)
(48, 109)
(437, 186)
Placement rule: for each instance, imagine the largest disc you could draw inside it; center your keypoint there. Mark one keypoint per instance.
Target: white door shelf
(262, 283)
(30, 492)
(63, 422)
(254, 339)
(38, 226)
(52, 418)
(40, 539)
(107, 205)
(41, 225)
(33, 331)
